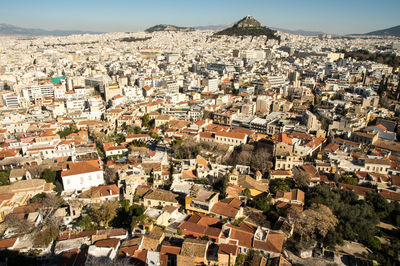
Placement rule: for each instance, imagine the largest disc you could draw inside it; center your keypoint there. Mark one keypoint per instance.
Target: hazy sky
(331, 16)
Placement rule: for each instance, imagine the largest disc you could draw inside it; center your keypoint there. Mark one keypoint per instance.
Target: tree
(247, 193)
(316, 221)
(104, 213)
(36, 171)
(301, 179)
(85, 223)
(262, 202)
(179, 231)
(280, 184)
(240, 260)
(19, 226)
(49, 175)
(137, 143)
(47, 234)
(357, 218)
(110, 175)
(48, 204)
(261, 160)
(4, 175)
(136, 220)
(146, 121)
(72, 128)
(379, 203)
(221, 186)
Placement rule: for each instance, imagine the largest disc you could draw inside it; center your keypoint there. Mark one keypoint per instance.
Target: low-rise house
(72, 240)
(255, 186)
(163, 216)
(230, 138)
(248, 237)
(113, 149)
(359, 190)
(200, 201)
(130, 178)
(390, 195)
(153, 239)
(27, 187)
(9, 201)
(200, 225)
(346, 143)
(19, 174)
(137, 137)
(227, 254)
(309, 170)
(380, 166)
(389, 146)
(100, 194)
(280, 174)
(366, 137)
(287, 162)
(294, 196)
(82, 175)
(228, 208)
(104, 248)
(160, 197)
(196, 249)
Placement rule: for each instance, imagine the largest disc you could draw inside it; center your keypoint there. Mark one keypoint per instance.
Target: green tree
(179, 231)
(349, 180)
(85, 223)
(379, 203)
(357, 218)
(49, 175)
(146, 121)
(4, 175)
(240, 260)
(261, 202)
(72, 128)
(280, 184)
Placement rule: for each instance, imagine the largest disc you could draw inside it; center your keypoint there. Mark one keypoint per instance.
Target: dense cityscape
(179, 146)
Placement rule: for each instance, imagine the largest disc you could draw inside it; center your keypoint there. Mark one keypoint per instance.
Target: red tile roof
(7, 243)
(76, 168)
(228, 249)
(110, 242)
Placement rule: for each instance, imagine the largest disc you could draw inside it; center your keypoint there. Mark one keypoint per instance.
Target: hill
(164, 27)
(248, 26)
(9, 30)
(394, 31)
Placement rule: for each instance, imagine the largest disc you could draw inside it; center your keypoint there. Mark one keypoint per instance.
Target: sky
(330, 16)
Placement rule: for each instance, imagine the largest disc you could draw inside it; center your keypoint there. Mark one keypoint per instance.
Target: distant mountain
(300, 32)
(394, 31)
(214, 27)
(164, 27)
(248, 26)
(7, 29)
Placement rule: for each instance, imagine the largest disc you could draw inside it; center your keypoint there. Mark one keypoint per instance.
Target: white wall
(83, 181)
